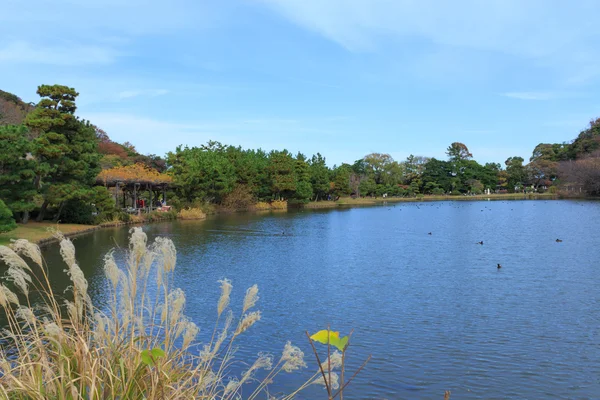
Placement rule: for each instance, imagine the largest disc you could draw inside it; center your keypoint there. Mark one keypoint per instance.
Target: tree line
(50, 161)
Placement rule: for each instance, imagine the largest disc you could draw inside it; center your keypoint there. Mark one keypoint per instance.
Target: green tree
(341, 180)
(7, 223)
(586, 143)
(304, 190)
(490, 175)
(381, 167)
(438, 172)
(17, 170)
(413, 168)
(282, 172)
(458, 151)
(463, 168)
(367, 187)
(65, 148)
(516, 173)
(201, 173)
(319, 176)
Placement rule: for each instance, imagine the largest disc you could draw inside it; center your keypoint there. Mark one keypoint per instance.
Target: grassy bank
(366, 201)
(37, 232)
(43, 232)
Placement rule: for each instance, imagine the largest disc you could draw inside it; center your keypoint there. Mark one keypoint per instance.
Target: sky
(341, 77)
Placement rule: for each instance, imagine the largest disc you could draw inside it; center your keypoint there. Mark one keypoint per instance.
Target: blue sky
(341, 77)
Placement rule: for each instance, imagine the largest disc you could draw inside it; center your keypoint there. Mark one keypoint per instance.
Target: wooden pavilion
(132, 182)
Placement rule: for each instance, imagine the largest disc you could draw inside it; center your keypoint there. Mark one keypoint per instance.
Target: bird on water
(499, 266)
(480, 242)
(558, 240)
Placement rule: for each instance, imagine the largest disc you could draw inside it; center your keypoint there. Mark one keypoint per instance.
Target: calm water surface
(433, 310)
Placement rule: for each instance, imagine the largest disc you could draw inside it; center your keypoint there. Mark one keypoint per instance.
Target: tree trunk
(40, 216)
(60, 208)
(25, 217)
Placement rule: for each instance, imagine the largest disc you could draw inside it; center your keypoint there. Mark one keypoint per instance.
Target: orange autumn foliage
(133, 173)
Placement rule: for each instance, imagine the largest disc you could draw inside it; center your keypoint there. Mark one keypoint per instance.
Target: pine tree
(17, 170)
(65, 148)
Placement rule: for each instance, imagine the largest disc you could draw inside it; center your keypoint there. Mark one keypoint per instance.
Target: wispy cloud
(155, 135)
(531, 95)
(554, 35)
(65, 55)
(357, 24)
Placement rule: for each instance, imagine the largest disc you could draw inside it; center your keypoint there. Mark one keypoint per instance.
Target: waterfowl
(429, 233)
(558, 240)
(480, 242)
(499, 266)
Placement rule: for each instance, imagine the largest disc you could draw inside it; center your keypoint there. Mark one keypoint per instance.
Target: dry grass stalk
(141, 347)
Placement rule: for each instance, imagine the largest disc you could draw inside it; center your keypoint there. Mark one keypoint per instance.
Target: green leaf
(332, 337)
(149, 357)
(157, 352)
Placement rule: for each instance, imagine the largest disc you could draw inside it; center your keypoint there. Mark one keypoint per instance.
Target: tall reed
(141, 346)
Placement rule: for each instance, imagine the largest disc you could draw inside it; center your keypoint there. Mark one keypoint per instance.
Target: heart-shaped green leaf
(331, 337)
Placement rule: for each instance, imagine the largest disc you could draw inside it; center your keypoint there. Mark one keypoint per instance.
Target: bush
(437, 191)
(191, 213)
(160, 215)
(7, 223)
(261, 206)
(240, 199)
(78, 211)
(279, 205)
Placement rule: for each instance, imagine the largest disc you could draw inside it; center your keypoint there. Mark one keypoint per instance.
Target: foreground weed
(140, 346)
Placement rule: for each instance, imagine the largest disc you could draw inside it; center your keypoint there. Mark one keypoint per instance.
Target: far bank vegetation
(56, 167)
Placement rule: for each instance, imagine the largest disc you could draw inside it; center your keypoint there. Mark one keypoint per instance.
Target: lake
(433, 310)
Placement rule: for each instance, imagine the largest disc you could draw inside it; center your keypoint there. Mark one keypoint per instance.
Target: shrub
(279, 204)
(261, 206)
(191, 213)
(7, 223)
(239, 199)
(160, 215)
(78, 211)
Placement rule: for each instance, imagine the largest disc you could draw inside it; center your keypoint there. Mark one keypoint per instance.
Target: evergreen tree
(17, 170)
(65, 148)
(202, 173)
(304, 190)
(319, 176)
(341, 180)
(7, 223)
(282, 173)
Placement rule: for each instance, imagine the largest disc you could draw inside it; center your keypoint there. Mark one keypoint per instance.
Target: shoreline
(41, 233)
(368, 201)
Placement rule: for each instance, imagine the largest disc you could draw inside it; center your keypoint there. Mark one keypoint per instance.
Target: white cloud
(154, 135)
(66, 55)
(533, 27)
(531, 95)
(459, 38)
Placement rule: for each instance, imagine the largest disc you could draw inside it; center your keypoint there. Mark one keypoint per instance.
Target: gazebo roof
(132, 174)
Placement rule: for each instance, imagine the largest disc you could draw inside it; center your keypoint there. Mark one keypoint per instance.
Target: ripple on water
(434, 311)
